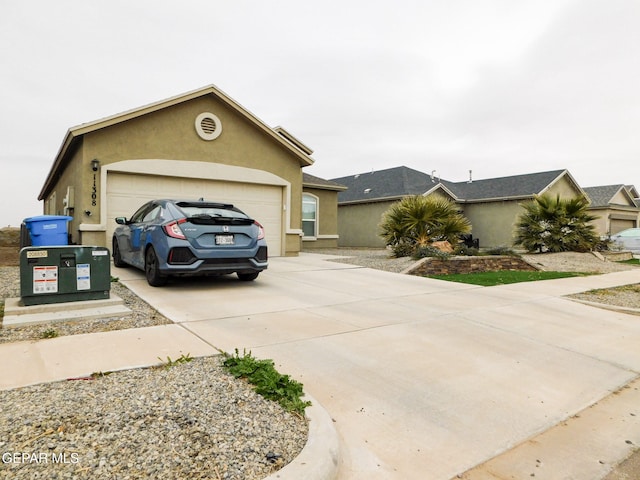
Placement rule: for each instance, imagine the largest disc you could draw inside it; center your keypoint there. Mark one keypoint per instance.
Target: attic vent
(367, 190)
(208, 126)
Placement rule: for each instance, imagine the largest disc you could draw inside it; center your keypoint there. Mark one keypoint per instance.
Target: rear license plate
(224, 239)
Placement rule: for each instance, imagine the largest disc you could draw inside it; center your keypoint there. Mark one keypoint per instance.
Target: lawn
(632, 261)
(488, 279)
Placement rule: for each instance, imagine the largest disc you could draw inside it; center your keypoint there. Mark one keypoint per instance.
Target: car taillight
(173, 229)
(260, 230)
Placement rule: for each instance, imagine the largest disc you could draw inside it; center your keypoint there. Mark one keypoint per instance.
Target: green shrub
(429, 251)
(267, 381)
(403, 249)
(417, 221)
(554, 224)
(501, 250)
(462, 249)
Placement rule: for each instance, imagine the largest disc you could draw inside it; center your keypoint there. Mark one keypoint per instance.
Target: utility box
(60, 274)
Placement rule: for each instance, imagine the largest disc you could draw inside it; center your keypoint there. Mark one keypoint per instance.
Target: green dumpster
(58, 274)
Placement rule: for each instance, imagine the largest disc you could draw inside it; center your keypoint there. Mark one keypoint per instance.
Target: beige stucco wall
(358, 224)
(80, 179)
(601, 223)
(563, 187)
(327, 219)
(620, 199)
(492, 223)
(169, 133)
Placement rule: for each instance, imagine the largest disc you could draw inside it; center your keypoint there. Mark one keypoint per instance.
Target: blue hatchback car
(186, 237)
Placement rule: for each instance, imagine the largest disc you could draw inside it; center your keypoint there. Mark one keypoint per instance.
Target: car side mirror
(121, 220)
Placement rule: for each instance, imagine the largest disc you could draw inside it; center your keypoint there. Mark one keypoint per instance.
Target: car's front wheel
(117, 256)
(152, 269)
(248, 277)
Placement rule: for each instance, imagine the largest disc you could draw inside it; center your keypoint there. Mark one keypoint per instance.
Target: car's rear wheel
(117, 257)
(152, 269)
(248, 277)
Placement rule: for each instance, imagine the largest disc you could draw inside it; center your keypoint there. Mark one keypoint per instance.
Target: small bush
(603, 245)
(49, 333)
(501, 250)
(463, 250)
(429, 251)
(267, 381)
(402, 249)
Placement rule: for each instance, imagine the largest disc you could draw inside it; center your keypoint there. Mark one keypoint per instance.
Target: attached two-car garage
(126, 191)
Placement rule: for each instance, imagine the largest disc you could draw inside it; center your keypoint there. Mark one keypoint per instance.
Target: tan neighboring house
(617, 206)
(319, 212)
(491, 205)
(198, 144)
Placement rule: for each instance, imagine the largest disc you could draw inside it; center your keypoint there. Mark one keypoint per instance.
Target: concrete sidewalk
(424, 379)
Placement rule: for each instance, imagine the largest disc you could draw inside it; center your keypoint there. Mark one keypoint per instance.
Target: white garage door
(127, 192)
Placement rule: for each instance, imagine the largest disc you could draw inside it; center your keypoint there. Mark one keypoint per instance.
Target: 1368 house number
(94, 192)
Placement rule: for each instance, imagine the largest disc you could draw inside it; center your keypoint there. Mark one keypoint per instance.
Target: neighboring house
(198, 144)
(617, 207)
(491, 205)
(319, 212)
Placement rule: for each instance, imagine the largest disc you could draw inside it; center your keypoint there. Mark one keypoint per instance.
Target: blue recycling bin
(48, 230)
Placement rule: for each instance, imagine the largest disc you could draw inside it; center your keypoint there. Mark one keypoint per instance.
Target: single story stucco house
(617, 207)
(197, 144)
(491, 205)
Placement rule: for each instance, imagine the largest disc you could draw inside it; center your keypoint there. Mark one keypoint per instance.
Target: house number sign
(94, 192)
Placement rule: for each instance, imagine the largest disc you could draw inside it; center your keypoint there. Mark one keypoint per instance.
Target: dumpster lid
(47, 218)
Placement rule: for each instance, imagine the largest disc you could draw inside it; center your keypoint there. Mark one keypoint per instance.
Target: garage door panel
(127, 192)
(617, 225)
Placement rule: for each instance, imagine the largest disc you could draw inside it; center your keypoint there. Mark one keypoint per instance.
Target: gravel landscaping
(193, 420)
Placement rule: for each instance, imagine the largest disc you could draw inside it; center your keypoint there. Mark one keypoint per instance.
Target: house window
(309, 215)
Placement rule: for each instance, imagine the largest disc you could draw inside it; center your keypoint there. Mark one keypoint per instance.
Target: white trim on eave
(440, 186)
(557, 179)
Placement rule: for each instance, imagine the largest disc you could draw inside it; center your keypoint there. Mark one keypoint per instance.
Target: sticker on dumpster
(99, 253)
(37, 254)
(83, 276)
(45, 279)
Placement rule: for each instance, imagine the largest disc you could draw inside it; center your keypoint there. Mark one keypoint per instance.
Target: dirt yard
(9, 247)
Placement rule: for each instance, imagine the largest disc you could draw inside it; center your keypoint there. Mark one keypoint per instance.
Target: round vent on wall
(208, 126)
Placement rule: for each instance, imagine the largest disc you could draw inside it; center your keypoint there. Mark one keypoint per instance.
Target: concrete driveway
(424, 379)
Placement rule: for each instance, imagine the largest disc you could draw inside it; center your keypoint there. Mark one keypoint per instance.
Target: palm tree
(417, 221)
(554, 224)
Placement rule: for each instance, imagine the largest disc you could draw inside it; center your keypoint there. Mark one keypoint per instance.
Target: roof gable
(605, 195)
(74, 134)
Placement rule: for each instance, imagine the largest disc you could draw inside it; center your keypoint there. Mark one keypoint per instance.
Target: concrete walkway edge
(320, 457)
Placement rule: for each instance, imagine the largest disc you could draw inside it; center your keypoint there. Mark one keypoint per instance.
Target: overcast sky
(500, 87)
